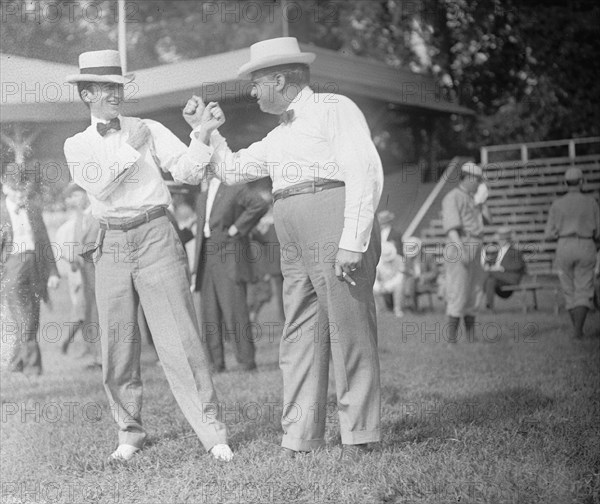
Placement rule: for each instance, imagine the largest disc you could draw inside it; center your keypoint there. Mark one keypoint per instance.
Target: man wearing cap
(574, 220)
(462, 219)
(27, 271)
(506, 267)
(119, 161)
(327, 182)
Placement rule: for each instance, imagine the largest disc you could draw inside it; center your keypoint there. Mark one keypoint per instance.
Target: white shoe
(124, 452)
(221, 452)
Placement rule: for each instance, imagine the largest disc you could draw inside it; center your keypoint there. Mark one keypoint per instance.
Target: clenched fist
(138, 135)
(193, 110)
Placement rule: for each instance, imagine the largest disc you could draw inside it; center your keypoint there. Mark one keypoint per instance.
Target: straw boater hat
(273, 52)
(100, 66)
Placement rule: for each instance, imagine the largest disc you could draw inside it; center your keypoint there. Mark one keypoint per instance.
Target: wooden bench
(534, 283)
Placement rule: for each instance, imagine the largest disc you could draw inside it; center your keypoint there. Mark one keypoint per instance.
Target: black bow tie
(287, 117)
(104, 128)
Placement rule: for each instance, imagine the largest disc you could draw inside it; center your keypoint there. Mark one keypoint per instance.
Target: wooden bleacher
(520, 194)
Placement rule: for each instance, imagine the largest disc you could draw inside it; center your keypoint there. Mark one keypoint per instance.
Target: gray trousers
(148, 265)
(464, 278)
(326, 317)
(575, 261)
(224, 311)
(21, 303)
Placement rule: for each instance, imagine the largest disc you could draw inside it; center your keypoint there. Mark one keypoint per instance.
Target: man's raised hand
(138, 135)
(193, 110)
(212, 117)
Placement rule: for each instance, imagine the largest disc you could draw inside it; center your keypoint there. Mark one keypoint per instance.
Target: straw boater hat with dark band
(100, 66)
(274, 52)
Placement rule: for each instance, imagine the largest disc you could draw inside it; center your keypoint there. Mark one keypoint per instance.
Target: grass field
(511, 418)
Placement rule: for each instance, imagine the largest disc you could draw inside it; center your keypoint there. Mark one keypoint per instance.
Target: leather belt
(133, 222)
(311, 187)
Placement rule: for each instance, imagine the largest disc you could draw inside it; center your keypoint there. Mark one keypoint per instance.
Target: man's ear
(91, 93)
(87, 96)
(279, 82)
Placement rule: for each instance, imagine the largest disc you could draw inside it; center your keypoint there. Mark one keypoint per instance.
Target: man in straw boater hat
(118, 160)
(462, 219)
(327, 182)
(574, 220)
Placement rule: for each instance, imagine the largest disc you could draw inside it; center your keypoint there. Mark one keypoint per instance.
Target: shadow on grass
(438, 416)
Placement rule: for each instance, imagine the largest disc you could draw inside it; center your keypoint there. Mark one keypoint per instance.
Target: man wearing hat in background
(327, 181)
(462, 219)
(386, 220)
(139, 258)
(72, 236)
(27, 271)
(507, 267)
(574, 220)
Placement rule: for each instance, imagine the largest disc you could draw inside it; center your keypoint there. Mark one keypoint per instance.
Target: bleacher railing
(524, 152)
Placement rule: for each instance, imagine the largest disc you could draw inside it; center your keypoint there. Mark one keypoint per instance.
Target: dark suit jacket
(45, 261)
(514, 266)
(239, 205)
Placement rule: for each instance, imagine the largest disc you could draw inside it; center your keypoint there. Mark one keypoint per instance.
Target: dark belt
(133, 222)
(311, 187)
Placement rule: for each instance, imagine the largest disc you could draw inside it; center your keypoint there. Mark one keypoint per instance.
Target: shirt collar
(301, 99)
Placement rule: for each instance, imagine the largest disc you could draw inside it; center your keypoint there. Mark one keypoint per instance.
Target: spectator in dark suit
(503, 264)
(27, 269)
(226, 214)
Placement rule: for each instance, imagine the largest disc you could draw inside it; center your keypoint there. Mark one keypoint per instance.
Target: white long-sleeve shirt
(122, 181)
(328, 139)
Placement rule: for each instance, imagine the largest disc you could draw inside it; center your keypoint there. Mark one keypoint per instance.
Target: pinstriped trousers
(148, 265)
(326, 317)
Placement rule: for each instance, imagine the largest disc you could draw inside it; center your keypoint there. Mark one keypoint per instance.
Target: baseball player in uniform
(574, 220)
(462, 219)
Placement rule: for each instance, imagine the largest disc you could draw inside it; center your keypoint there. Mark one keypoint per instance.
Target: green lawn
(512, 418)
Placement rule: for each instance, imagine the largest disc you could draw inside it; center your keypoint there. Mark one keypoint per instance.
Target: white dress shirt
(123, 182)
(22, 232)
(498, 262)
(329, 139)
(213, 187)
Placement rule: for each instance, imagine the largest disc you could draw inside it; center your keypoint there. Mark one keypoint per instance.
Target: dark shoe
(353, 453)
(579, 314)
(287, 452)
(470, 328)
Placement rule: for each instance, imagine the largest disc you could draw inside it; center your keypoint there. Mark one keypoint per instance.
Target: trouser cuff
(361, 437)
(298, 444)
